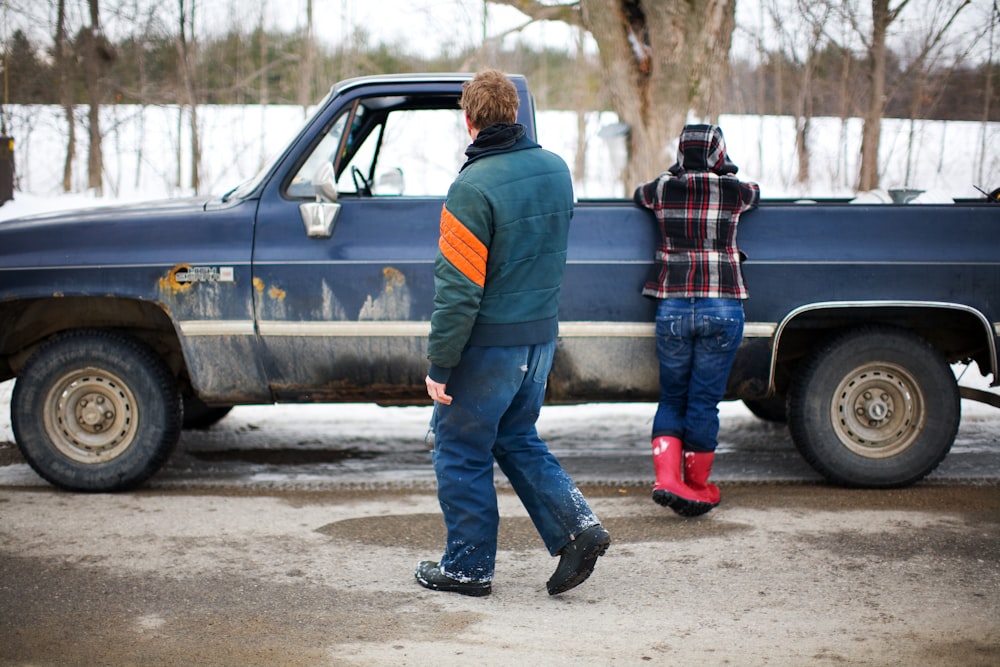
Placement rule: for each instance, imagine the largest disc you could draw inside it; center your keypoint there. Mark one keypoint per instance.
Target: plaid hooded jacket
(698, 204)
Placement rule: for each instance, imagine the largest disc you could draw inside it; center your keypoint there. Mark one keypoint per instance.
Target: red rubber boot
(697, 468)
(670, 489)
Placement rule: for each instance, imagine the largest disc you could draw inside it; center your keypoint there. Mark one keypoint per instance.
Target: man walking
(498, 272)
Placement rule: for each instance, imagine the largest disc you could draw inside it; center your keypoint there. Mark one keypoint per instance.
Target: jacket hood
(702, 148)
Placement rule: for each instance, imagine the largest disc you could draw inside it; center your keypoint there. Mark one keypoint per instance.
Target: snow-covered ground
(143, 146)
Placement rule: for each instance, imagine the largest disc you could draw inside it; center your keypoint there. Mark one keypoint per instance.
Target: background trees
(655, 63)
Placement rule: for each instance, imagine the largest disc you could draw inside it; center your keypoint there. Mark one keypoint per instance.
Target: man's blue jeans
(497, 394)
(696, 343)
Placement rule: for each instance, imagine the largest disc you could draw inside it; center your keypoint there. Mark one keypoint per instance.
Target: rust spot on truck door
(394, 303)
(273, 292)
(170, 283)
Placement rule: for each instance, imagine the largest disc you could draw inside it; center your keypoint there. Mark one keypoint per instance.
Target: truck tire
(876, 407)
(95, 410)
(198, 415)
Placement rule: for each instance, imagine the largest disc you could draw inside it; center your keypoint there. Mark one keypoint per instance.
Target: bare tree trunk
(761, 89)
(581, 101)
(195, 150)
(307, 72)
(802, 127)
(186, 58)
(659, 59)
(845, 114)
(816, 16)
(67, 181)
(180, 148)
(262, 29)
(95, 55)
(987, 96)
(63, 62)
(871, 132)
(882, 17)
(141, 30)
(262, 102)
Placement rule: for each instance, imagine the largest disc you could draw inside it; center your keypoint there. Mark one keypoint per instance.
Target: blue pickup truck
(313, 282)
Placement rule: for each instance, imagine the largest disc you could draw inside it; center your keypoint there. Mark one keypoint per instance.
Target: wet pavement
(287, 536)
(336, 446)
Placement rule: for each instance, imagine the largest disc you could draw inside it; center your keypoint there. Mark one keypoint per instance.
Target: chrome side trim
(404, 328)
(644, 329)
(390, 329)
(759, 329)
(122, 265)
(607, 329)
(217, 327)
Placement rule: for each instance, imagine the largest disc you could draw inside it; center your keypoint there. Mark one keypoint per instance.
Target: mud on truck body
(313, 282)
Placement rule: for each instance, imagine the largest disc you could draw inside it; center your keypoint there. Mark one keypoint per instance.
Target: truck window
(410, 152)
(418, 154)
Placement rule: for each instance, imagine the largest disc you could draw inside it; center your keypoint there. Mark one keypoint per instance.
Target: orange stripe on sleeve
(461, 247)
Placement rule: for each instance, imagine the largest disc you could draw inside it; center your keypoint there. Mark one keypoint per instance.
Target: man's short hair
(489, 98)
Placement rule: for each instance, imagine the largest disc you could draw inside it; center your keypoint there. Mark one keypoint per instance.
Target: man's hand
(436, 391)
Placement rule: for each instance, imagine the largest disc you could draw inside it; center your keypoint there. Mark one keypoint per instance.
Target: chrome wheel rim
(878, 410)
(90, 415)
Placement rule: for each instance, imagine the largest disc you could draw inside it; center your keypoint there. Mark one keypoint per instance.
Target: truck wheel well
(25, 324)
(959, 334)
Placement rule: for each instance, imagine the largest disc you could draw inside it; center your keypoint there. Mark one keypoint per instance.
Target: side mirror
(390, 182)
(320, 216)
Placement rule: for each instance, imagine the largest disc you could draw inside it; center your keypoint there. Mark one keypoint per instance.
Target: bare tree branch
(538, 11)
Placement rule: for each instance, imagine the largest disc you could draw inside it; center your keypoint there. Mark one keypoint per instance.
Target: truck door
(346, 317)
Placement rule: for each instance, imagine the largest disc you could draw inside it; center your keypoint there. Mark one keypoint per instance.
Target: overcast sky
(431, 27)
(435, 26)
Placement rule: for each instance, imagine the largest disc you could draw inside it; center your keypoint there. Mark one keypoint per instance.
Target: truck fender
(839, 316)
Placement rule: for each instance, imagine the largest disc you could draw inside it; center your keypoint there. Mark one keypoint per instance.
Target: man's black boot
(577, 559)
(429, 575)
